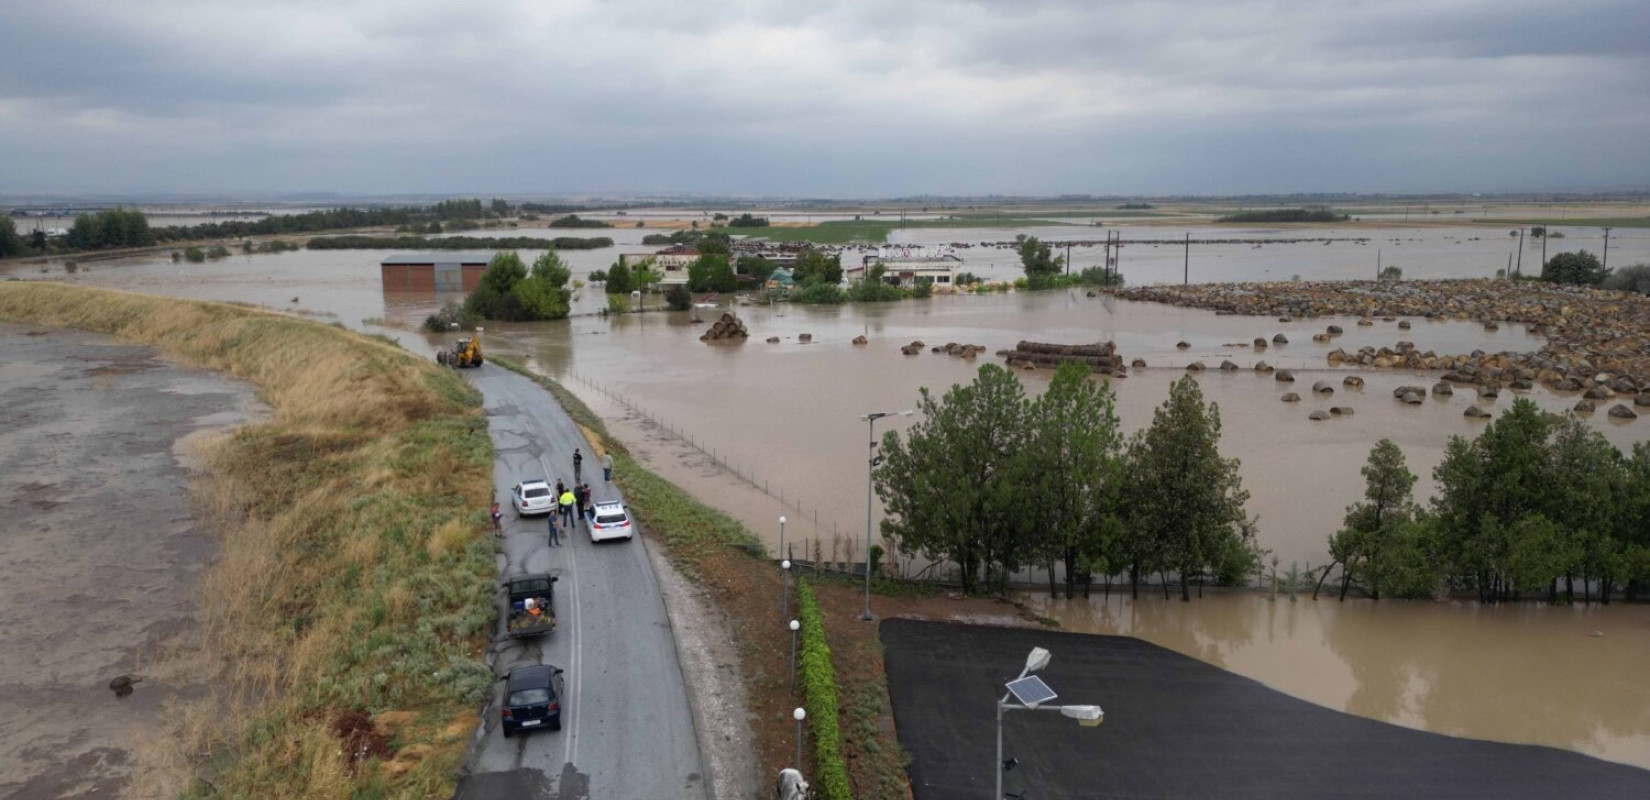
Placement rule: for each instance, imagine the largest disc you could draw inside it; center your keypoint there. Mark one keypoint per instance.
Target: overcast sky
(854, 99)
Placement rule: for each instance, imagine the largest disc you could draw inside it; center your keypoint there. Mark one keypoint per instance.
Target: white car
(533, 496)
(610, 521)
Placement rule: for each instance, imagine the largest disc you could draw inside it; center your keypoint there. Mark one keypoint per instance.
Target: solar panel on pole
(1031, 691)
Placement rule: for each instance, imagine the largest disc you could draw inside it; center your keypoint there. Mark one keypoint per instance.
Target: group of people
(570, 500)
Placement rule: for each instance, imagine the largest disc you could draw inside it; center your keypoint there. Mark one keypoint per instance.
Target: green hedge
(818, 679)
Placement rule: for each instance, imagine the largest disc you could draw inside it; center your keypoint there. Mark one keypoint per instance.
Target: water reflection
(1565, 677)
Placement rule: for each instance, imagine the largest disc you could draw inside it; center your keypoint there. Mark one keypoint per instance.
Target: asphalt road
(627, 730)
(1177, 727)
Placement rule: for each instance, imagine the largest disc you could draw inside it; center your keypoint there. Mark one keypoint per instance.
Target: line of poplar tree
(1533, 504)
(994, 482)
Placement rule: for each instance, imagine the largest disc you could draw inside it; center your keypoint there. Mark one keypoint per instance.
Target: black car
(532, 699)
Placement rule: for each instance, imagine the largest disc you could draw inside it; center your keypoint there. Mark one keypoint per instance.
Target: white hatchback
(609, 520)
(533, 496)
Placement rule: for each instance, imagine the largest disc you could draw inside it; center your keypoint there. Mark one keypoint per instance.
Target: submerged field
(347, 615)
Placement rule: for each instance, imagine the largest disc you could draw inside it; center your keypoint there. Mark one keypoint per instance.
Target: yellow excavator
(465, 353)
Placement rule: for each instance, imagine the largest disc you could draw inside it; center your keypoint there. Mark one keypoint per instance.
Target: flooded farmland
(101, 551)
(786, 417)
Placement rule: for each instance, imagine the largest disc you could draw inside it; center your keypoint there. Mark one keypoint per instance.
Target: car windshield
(609, 519)
(535, 491)
(530, 697)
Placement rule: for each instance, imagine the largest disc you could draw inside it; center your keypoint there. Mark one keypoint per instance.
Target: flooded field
(786, 418)
(101, 552)
(1571, 677)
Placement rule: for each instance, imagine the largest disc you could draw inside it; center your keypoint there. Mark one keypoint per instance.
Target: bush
(1100, 276)
(873, 291)
(194, 255)
(817, 677)
(1286, 215)
(1392, 274)
(1628, 279)
(1577, 269)
(678, 297)
(452, 315)
(573, 221)
(819, 294)
(217, 251)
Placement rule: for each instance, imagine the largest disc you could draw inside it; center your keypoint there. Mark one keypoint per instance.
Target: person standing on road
(567, 508)
(559, 489)
(498, 520)
(555, 535)
(578, 463)
(579, 498)
(607, 467)
(590, 506)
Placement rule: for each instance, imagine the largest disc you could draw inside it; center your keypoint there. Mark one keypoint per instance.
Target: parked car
(532, 699)
(533, 496)
(609, 520)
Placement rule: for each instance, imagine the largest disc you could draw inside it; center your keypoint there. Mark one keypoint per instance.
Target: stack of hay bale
(728, 328)
(1101, 357)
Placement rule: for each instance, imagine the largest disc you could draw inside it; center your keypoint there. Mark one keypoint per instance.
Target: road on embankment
(627, 728)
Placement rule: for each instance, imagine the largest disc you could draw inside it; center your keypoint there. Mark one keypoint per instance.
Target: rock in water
(1195, 366)
(1474, 412)
(861, 340)
(1584, 407)
(1323, 387)
(1442, 389)
(1411, 398)
(122, 684)
(1280, 339)
(1139, 363)
(1260, 342)
(1353, 382)
(1262, 366)
(1291, 397)
(1318, 416)
(1284, 376)
(1183, 345)
(1228, 366)
(1341, 411)
(1620, 411)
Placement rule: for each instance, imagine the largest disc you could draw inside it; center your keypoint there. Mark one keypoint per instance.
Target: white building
(671, 263)
(907, 266)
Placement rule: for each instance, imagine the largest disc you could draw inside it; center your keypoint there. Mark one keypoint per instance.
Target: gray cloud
(847, 98)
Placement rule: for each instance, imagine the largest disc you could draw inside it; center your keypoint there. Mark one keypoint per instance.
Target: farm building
(433, 272)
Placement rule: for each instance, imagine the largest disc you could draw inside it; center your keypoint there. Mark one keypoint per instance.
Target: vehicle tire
(506, 729)
(555, 726)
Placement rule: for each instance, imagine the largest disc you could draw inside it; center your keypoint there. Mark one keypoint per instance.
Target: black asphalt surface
(627, 728)
(1177, 727)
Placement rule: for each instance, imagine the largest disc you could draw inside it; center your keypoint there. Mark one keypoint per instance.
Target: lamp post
(782, 536)
(871, 465)
(800, 714)
(794, 626)
(785, 588)
(1086, 715)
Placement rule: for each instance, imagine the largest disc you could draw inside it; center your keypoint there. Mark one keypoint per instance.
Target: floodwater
(100, 550)
(787, 419)
(1567, 677)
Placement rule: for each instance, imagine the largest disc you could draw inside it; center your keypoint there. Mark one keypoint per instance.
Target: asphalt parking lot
(1177, 727)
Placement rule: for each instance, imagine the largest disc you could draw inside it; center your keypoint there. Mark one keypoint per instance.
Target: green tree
(494, 297)
(754, 266)
(814, 265)
(1372, 523)
(1585, 490)
(678, 297)
(544, 293)
(1487, 485)
(500, 207)
(1071, 463)
(1392, 274)
(1633, 520)
(1041, 265)
(715, 244)
(1185, 503)
(619, 279)
(10, 243)
(1579, 269)
(948, 485)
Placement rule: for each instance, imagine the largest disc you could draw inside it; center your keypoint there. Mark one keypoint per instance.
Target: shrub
(1580, 268)
(217, 251)
(678, 298)
(1628, 279)
(194, 255)
(818, 680)
(450, 316)
(819, 294)
(1392, 274)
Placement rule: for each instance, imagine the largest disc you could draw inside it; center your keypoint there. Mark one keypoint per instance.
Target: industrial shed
(433, 272)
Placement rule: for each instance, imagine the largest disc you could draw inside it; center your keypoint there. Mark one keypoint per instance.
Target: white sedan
(533, 496)
(610, 521)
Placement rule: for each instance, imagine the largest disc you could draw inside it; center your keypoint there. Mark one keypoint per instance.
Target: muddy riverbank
(102, 552)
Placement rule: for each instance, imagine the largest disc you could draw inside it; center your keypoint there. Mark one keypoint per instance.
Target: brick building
(433, 272)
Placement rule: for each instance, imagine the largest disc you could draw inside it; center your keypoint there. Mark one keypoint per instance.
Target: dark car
(532, 699)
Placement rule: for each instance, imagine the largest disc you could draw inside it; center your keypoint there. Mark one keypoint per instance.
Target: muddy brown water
(101, 552)
(786, 417)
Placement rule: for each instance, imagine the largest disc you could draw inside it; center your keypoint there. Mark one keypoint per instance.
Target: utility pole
(1544, 234)
(1377, 263)
(1068, 259)
(1186, 266)
(1607, 248)
(1519, 270)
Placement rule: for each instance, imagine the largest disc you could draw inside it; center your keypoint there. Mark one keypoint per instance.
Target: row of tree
(508, 291)
(994, 482)
(1535, 499)
(112, 227)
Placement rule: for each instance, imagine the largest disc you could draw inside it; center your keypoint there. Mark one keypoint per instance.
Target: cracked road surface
(627, 730)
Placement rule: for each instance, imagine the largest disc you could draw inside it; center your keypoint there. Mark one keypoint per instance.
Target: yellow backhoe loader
(465, 353)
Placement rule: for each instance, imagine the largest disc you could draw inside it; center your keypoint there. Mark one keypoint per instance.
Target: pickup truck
(530, 605)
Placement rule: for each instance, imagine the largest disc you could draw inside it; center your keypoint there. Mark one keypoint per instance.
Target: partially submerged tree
(1580, 268)
(1071, 470)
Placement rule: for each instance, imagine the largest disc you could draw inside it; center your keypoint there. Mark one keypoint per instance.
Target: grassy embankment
(718, 553)
(350, 606)
(1588, 222)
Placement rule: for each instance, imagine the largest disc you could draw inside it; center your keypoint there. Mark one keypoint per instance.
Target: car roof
(609, 505)
(534, 482)
(531, 677)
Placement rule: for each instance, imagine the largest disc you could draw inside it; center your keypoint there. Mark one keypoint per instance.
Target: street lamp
(794, 626)
(800, 714)
(785, 588)
(1033, 695)
(871, 464)
(782, 536)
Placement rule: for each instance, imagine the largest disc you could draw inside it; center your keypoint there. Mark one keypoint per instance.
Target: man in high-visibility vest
(566, 502)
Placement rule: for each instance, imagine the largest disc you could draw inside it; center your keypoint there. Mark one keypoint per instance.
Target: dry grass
(356, 567)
